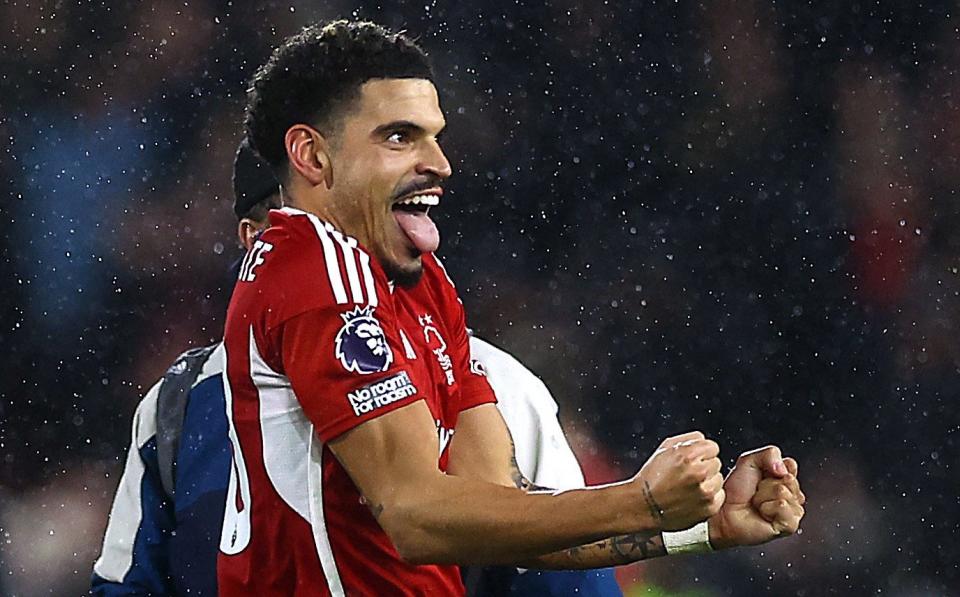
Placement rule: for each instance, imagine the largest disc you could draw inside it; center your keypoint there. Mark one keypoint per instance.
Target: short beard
(404, 278)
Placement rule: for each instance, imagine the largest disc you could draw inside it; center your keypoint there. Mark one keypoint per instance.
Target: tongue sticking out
(420, 229)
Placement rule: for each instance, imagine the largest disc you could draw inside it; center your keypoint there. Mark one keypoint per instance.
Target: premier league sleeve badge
(361, 344)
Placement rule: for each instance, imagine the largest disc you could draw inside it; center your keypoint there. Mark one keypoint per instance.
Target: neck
(316, 205)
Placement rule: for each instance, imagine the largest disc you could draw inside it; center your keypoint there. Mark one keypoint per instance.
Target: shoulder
(510, 379)
(193, 366)
(145, 417)
(200, 363)
(302, 263)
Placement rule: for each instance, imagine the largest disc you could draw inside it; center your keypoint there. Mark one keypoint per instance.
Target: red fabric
(288, 304)
(318, 378)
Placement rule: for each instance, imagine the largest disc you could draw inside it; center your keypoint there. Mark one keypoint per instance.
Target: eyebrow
(403, 125)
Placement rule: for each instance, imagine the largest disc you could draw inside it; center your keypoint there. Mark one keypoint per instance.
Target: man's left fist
(763, 500)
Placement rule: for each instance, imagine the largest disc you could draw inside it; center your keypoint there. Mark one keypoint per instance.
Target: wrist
(643, 518)
(719, 538)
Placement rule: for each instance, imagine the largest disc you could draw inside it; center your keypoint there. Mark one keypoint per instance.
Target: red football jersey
(318, 342)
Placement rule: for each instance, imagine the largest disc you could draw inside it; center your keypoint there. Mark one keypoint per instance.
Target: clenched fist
(763, 500)
(681, 482)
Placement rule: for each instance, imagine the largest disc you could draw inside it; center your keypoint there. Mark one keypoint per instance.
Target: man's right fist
(681, 482)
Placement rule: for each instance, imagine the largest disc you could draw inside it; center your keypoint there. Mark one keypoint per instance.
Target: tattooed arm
(613, 551)
(437, 518)
(483, 449)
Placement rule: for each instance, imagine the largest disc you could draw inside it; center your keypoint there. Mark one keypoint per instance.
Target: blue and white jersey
(158, 544)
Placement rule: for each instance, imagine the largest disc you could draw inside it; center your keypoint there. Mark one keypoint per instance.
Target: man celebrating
(369, 457)
(165, 524)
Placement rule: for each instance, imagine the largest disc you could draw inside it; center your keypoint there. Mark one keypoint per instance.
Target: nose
(433, 161)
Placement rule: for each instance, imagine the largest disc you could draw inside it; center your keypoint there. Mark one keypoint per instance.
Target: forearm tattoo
(615, 551)
(631, 548)
(623, 549)
(655, 510)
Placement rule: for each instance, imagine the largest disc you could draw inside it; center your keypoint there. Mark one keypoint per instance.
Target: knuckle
(704, 492)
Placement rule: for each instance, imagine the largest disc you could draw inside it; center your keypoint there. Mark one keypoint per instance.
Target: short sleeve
(345, 366)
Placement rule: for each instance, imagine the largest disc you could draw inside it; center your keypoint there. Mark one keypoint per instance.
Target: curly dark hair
(316, 72)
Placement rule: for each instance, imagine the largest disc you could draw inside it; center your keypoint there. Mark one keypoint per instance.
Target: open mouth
(417, 203)
(412, 215)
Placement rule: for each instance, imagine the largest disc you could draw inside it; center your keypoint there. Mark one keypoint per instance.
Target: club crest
(361, 344)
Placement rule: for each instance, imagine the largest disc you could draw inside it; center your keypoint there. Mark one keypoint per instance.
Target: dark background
(734, 215)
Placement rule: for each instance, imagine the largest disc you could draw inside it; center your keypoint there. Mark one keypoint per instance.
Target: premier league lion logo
(361, 345)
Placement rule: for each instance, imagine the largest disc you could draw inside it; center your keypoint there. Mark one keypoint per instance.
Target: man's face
(387, 170)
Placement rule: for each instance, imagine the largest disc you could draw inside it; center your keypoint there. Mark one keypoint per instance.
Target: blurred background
(730, 215)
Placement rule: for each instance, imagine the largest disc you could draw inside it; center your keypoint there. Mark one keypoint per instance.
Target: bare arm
(761, 504)
(432, 517)
(483, 448)
(615, 551)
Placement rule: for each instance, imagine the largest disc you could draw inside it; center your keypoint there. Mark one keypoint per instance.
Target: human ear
(247, 231)
(309, 154)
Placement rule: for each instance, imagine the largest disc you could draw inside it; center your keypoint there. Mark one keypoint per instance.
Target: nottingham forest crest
(361, 344)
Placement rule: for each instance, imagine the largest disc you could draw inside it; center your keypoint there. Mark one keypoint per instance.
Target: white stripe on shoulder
(348, 245)
(350, 255)
(368, 279)
(330, 257)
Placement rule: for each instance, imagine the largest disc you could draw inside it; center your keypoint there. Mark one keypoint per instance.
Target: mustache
(418, 184)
